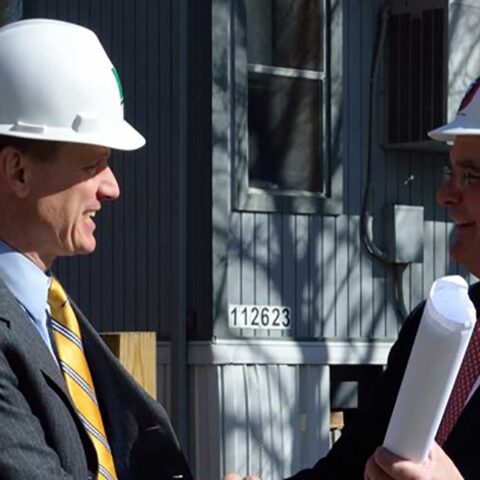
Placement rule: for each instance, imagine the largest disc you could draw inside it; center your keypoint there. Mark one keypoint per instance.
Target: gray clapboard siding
(275, 268)
(315, 264)
(288, 261)
(303, 299)
(205, 451)
(271, 434)
(249, 261)
(262, 407)
(323, 273)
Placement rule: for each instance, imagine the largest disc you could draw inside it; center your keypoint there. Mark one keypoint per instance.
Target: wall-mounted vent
(416, 70)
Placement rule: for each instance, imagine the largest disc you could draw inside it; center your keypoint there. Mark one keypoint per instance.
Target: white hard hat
(467, 121)
(57, 83)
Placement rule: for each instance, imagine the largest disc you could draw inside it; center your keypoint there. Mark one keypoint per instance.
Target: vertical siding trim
(178, 232)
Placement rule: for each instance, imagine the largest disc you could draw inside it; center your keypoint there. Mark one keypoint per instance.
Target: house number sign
(263, 317)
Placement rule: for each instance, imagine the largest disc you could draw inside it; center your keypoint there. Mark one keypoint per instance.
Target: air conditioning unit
(416, 70)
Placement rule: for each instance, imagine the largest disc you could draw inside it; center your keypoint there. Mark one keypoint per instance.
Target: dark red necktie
(466, 378)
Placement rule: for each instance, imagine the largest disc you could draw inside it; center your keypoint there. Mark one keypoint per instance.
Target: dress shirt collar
(28, 283)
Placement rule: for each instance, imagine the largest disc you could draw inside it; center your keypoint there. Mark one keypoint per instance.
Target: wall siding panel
(354, 279)
(302, 277)
(335, 288)
(328, 279)
(249, 261)
(316, 265)
(271, 418)
(342, 273)
(274, 249)
(317, 275)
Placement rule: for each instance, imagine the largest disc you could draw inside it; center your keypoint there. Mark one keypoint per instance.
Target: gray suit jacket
(41, 437)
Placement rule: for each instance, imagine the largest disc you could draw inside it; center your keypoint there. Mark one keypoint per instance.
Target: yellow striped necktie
(68, 340)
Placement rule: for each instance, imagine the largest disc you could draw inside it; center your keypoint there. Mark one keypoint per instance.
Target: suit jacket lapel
(22, 330)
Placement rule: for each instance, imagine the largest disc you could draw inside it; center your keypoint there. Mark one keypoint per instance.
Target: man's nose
(449, 193)
(108, 189)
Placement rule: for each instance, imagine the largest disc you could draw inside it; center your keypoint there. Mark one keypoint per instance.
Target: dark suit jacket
(347, 458)
(41, 437)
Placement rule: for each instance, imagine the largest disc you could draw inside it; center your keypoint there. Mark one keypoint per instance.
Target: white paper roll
(443, 335)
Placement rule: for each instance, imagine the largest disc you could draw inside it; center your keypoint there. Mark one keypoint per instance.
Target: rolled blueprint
(443, 335)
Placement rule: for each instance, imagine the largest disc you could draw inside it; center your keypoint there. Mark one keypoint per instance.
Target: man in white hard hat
(357, 455)
(454, 455)
(67, 408)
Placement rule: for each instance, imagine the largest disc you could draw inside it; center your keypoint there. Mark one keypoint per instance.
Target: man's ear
(13, 173)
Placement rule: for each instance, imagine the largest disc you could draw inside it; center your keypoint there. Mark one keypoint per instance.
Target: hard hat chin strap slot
(28, 128)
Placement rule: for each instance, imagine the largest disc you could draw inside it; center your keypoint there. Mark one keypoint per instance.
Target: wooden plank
(378, 301)
(316, 281)
(342, 321)
(164, 382)
(329, 270)
(364, 16)
(275, 264)
(249, 286)
(355, 125)
(235, 430)
(354, 101)
(354, 277)
(154, 86)
(288, 405)
(314, 399)
(137, 352)
(273, 427)
(253, 402)
(235, 260)
(206, 426)
(302, 277)
(289, 265)
(261, 265)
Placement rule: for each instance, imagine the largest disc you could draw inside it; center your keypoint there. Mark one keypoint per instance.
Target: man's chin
(87, 251)
(467, 260)
(457, 254)
(84, 248)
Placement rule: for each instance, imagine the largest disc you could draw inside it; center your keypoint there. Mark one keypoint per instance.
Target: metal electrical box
(404, 233)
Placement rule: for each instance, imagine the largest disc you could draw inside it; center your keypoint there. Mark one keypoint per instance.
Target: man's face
(64, 195)
(461, 195)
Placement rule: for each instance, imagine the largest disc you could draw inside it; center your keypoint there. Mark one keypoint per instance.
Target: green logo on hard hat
(119, 84)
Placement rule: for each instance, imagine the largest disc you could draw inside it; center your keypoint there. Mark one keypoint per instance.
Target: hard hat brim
(459, 127)
(122, 137)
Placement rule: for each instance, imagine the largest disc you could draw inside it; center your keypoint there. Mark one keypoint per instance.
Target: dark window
(286, 135)
(416, 72)
(286, 84)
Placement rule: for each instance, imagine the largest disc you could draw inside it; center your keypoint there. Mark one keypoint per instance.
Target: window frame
(419, 141)
(254, 199)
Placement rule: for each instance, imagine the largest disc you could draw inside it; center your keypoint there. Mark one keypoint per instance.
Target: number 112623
(265, 317)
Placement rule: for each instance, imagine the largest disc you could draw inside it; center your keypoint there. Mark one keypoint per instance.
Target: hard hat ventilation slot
(85, 124)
